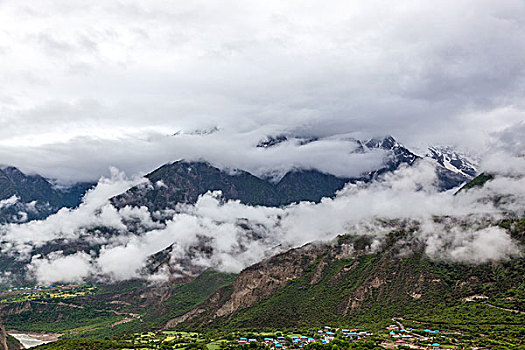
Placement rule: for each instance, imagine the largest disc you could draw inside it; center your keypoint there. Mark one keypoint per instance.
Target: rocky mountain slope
(26, 197)
(354, 280)
(3, 338)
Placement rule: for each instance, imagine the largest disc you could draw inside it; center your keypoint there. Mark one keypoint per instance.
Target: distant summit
(453, 161)
(184, 181)
(26, 197)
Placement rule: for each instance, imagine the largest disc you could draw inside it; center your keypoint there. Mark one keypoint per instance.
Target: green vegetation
(348, 291)
(367, 290)
(480, 324)
(44, 294)
(478, 181)
(188, 295)
(342, 344)
(308, 339)
(55, 317)
(105, 310)
(12, 343)
(86, 344)
(329, 287)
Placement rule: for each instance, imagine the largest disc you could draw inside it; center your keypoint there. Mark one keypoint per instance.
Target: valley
(262, 175)
(295, 293)
(382, 283)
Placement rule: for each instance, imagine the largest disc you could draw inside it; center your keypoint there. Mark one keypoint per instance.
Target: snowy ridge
(453, 161)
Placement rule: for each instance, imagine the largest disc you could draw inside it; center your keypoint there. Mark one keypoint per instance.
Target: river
(31, 340)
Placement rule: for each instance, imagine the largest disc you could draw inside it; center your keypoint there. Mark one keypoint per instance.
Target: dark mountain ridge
(184, 181)
(30, 197)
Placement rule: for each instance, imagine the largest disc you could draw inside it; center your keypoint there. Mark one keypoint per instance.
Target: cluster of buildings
(280, 342)
(325, 335)
(403, 335)
(14, 289)
(353, 334)
(328, 333)
(39, 288)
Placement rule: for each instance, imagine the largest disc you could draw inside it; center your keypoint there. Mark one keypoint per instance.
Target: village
(298, 341)
(397, 337)
(59, 291)
(392, 337)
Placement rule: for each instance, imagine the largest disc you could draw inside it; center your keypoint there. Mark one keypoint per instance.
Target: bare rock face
(254, 284)
(344, 280)
(3, 338)
(261, 280)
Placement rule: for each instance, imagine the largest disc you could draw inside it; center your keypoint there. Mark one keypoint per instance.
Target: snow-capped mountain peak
(452, 160)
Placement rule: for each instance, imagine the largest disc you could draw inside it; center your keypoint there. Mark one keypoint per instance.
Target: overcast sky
(90, 84)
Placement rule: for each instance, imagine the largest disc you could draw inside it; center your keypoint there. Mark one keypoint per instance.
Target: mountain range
(357, 279)
(29, 197)
(347, 281)
(26, 197)
(184, 181)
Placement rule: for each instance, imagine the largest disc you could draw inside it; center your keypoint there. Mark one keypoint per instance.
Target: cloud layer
(107, 81)
(116, 244)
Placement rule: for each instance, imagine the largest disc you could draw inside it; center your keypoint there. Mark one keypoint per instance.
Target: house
(435, 345)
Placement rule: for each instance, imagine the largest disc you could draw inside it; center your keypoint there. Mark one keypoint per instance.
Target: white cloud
(100, 84)
(56, 267)
(8, 202)
(230, 235)
(451, 74)
(481, 246)
(95, 210)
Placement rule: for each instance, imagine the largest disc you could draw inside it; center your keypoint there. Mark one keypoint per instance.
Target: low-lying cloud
(229, 235)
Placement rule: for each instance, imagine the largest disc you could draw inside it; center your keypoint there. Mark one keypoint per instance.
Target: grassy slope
(301, 304)
(53, 317)
(183, 297)
(57, 316)
(382, 285)
(478, 181)
(188, 295)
